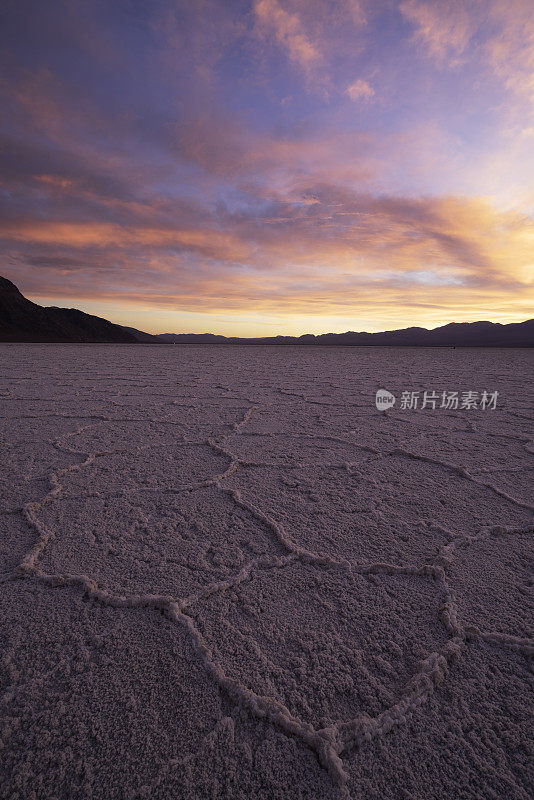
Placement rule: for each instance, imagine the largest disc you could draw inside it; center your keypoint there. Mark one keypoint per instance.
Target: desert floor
(224, 574)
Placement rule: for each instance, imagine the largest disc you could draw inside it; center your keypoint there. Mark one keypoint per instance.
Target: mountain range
(24, 321)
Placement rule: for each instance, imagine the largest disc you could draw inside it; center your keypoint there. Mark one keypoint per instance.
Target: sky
(269, 167)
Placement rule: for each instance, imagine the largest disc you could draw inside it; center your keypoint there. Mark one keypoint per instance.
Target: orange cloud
(437, 258)
(105, 235)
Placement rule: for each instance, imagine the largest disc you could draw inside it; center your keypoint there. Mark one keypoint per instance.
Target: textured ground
(225, 575)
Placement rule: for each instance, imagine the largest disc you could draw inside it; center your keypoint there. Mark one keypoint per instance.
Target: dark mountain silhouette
(24, 321)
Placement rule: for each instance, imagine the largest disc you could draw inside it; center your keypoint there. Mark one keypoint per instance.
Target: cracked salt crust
(325, 569)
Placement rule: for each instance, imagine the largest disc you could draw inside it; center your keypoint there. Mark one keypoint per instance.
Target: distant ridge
(24, 321)
(455, 334)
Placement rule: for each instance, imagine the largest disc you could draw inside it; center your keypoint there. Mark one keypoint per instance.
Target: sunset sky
(278, 166)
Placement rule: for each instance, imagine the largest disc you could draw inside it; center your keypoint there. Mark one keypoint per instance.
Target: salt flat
(225, 574)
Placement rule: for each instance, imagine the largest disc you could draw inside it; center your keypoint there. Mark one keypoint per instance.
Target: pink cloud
(445, 29)
(360, 89)
(289, 33)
